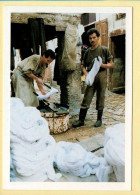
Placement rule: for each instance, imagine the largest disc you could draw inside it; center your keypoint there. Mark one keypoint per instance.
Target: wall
(113, 24)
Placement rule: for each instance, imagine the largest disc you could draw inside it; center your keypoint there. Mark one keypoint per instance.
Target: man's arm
(108, 65)
(38, 81)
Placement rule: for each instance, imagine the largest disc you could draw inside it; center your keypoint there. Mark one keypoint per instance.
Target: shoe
(78, 123)
(98, 124)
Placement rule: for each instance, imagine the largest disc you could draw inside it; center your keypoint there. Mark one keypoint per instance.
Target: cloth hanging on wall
(37, 34)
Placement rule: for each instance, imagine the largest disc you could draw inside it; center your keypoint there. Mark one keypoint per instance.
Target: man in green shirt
(28, 70)
(99, 84)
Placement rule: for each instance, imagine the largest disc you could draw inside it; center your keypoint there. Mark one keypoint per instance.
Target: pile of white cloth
(73, 158)
(31, 146)
(114, 149)
(34, 152)
(92, 73)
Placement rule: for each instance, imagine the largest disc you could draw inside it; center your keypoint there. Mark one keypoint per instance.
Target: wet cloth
(49, 94)
(23, 85)
(92, 73)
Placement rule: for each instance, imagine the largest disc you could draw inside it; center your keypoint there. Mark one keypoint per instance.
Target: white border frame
(6, 106)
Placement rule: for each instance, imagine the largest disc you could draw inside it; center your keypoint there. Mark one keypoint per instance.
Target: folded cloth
(92, 73)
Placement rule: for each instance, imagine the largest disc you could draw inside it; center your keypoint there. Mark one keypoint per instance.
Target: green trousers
(99, 86)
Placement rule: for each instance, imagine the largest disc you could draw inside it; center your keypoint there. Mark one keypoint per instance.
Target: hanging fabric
(37, 34)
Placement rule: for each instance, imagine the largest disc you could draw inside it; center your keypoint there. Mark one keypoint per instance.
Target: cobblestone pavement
(114, 112)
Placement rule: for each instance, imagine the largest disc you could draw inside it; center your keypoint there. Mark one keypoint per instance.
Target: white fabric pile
(32, 148)
(34, 152)
(114, 149)
(92, 73)
(73, 158)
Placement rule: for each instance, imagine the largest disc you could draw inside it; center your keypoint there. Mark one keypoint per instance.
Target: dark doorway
(118, 50)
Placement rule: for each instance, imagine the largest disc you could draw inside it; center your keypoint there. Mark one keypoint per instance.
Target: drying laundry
(92, 73)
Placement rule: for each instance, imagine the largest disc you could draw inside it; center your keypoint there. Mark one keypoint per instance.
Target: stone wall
(70, 82)
(53, 19)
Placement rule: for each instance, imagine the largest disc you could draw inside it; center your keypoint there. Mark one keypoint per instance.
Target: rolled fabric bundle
(92, 73)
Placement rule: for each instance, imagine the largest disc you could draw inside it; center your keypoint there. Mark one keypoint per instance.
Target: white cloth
(32, 147)
(115, 139)
(73, 158)
(49, 94)
(92, 73)
(114, 149)
(34, 151)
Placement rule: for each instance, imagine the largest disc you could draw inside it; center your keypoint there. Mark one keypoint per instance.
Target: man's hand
(38, 81)
(84, 71)
(109, 65)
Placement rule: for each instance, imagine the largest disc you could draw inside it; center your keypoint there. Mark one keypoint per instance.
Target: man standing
(28, 70)
(100, 82)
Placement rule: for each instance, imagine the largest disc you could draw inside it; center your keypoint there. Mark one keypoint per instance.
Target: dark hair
(93, 30)
(49, 53)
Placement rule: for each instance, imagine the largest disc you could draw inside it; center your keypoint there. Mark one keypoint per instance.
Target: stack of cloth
(31, 146)
(114, 149)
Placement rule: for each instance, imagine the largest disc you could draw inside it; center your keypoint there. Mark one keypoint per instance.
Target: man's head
(47, 57)
(93, 36)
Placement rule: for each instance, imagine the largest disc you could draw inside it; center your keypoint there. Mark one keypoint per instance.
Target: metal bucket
(57, 123)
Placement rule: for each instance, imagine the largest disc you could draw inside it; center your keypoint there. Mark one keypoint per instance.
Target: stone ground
(88, 136)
